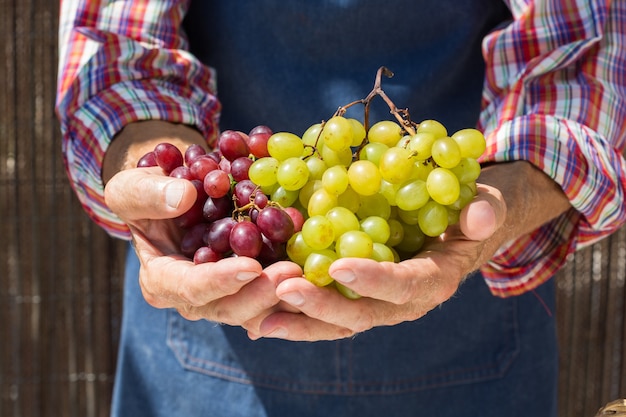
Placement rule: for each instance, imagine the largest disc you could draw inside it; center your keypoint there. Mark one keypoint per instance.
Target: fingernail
(246, 275)
(345, 276)
(279, 332)
(174, 193)
(293, 298)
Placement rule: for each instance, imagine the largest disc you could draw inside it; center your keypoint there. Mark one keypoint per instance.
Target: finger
(484, 215)
(172, 281)
(253, 301)
(145, 193)
(328, 305)
(299, 327)
(417, 280)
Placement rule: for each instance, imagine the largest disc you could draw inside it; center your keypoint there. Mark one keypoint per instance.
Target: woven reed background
(60, 276)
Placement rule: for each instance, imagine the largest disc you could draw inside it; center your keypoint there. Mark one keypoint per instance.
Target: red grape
(216, 183)
(257, 141)
(275, 223)
(201, 166)
(148, 160)
(217, 237)
(233, 145)
(296, 217)
(181, 172)
(239, 168)
(205, 254)
(192, 152)
(217, 208)
(245, 239)
(193, 239)
(168, 156)
(243, 191)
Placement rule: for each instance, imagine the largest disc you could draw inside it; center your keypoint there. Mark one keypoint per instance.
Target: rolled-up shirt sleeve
(121, 62)
(554, 95)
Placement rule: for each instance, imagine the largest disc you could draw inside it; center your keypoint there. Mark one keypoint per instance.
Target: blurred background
(61, 276)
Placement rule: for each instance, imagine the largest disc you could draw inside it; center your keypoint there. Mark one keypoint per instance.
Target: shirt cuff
(94, 125)
(590, 171)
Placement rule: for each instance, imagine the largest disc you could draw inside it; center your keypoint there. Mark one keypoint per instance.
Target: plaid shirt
(554, 95)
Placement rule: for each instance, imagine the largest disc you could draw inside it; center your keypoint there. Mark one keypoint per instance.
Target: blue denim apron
(288, 64)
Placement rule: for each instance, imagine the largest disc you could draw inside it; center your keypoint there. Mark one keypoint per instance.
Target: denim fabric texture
(474, 356)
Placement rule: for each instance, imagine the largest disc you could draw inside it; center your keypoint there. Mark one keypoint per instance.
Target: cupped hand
(233, 290)
(397, 292)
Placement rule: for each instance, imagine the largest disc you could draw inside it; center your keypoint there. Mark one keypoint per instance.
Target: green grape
(471, 142)
(364, 177)
(307, 191)
(316, 166)
(443, 186)
(311, 137)
(389, 191)
(382, 253)
(434, 127)
(403, 142)
(269, 189)
(318, 232)
(337, 133)
(292, 173)
(433, 219)
(358, 132)
(421, 170)
(396, 232)
(468, 170)
(285, 145)
(466, 194)
(377, 228)
(408, 216)
(316, 267)
(453, 215)
(412, 239)
(335, 179)
(373, 151)
(385, 131)
(396, 165)
(349, 199)
(262, 172)
(332, 158)
(354, 244)
(284, 197)
(421, 145)
(346, 292)
(412, 195)
(320, 202)
(446, 152)
(374, 205)
(297, 249)
(343, 220)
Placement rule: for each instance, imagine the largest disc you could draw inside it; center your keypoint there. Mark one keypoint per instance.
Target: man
(550, 77)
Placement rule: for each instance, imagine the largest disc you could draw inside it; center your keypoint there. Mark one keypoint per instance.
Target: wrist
(139, 138)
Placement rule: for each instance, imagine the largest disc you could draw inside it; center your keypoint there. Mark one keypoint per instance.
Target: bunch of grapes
(231, 215)
(375, 194)
(341, 190)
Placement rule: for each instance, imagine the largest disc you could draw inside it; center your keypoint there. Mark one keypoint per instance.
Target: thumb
(484, 215)
(145, 193)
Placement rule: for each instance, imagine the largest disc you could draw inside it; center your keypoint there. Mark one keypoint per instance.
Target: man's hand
(513, 199)
(234, 290)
